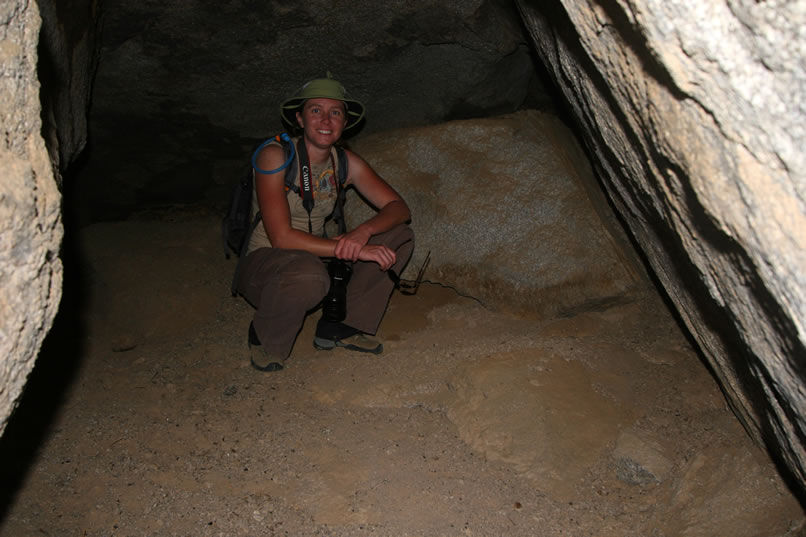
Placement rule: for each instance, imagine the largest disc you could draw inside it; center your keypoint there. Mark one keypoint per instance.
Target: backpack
(237, 225)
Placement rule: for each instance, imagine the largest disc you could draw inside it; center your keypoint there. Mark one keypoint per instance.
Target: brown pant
(285, 285)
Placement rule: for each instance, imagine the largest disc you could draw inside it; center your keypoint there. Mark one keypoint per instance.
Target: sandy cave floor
(472, 422)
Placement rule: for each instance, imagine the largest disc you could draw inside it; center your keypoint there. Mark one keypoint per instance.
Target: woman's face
(322, 121)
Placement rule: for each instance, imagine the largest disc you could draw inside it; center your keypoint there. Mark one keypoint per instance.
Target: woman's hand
(350, 244)
(379, 254)
(353, 247)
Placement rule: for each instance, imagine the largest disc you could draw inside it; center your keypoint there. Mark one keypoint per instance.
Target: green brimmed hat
(321, 88)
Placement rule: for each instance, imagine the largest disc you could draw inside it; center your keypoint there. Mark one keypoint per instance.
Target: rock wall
(68, 55)
(30, 225)
(693, 114)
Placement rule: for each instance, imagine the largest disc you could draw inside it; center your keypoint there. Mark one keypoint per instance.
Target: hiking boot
(358, 342)
(260, 359)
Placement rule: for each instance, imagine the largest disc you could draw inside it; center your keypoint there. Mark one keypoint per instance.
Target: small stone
(640, 460)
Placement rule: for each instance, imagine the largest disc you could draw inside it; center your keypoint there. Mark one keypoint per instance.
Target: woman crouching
(284, 275)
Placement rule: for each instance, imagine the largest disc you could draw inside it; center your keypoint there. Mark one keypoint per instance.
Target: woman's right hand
(379, 254)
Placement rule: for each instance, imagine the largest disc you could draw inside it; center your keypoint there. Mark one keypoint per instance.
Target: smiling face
(322, 121)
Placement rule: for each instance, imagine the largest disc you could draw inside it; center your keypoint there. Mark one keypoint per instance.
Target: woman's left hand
(351, 243)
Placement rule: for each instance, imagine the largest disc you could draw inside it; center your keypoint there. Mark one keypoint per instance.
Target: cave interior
(179, 94)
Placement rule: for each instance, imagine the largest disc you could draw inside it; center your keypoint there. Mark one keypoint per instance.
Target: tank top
(323, 177)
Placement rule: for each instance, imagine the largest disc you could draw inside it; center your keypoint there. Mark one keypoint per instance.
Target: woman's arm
(392, 209)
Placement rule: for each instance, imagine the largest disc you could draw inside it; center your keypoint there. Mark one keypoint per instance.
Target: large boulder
(509, 209)
(30, 224)
(692, 112)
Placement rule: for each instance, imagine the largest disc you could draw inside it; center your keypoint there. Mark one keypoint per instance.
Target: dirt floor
(143, 417)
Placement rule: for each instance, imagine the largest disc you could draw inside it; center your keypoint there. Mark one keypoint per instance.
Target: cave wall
(48, 52)
(185, 90)
(67, 58)
(30, 224)
(693, 114)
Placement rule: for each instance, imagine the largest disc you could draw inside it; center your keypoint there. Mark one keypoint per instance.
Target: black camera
(334, 306)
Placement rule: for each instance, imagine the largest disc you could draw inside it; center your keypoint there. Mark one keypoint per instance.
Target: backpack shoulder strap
(291, 171)
(341, 178)
(343, 170)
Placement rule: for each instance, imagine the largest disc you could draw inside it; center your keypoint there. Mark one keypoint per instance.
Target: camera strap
(306, 184)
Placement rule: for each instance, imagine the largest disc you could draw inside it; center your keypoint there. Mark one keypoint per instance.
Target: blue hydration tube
(279, 138)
